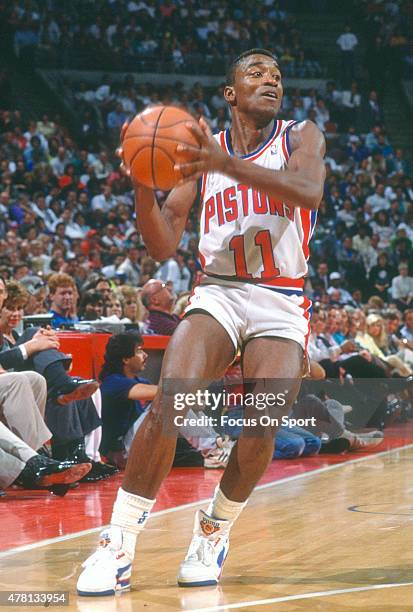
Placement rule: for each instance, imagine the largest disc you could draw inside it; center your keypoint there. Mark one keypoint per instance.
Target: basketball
(150, 142)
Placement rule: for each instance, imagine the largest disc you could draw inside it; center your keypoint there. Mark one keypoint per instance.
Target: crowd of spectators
(69, 238)
(386, 28)
(65, 207)
(163, 36)
(105, 107)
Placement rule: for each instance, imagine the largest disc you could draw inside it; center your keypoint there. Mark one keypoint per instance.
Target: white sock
(223, 508)
(130, 513)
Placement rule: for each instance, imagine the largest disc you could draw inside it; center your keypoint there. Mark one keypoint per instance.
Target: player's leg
(277, 364)
(200, 349)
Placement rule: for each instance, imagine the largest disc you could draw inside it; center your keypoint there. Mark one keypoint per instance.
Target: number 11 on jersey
(263, 240)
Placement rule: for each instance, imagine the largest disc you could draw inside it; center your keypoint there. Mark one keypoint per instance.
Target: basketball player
(262, 181)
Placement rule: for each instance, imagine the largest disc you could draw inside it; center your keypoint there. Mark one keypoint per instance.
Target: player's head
(253, 84)
(241, 59)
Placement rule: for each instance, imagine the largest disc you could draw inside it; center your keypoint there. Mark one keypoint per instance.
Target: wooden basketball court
(336, 538)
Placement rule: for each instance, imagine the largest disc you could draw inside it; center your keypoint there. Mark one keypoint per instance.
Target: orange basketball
(149, 145)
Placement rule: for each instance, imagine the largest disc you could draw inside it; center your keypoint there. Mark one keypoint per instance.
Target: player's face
(258, 87)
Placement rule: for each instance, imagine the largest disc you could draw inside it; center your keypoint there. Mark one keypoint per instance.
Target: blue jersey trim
(264, 144)
(287, 137)
(283, 291)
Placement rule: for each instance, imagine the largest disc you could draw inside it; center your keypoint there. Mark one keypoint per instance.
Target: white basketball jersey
(248, 236)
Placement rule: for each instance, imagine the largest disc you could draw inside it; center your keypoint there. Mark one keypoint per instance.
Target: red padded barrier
(87, 350)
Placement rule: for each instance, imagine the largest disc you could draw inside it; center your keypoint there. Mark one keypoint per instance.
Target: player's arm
(162, 228)
(301, 184)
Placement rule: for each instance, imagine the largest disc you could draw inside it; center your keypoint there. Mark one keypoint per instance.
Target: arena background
(71, 73)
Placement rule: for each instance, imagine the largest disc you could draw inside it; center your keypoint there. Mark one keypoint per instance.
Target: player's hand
(208, 157)
(119, 151)
(122, 167)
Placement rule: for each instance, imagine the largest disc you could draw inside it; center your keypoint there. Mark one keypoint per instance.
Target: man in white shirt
(175, 270)
(130, 267)
(59, 162)
(377, 201)
(104, 201)
(335, 286)
(402, 288)
(347, 41)
(102, 166)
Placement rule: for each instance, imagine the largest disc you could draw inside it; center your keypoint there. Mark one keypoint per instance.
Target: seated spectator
(103, 286)
(402, 288)
(133, 309)
(378, 201)
(148, 269)
(347, 214)
(330, 427)
(344, 296)
(130, 267)
(105, 201)
(124, 394)
(381, 276)
(115, 308)
(407, 329)
(375, 339)
(22, 465)
(339, 359)
(383, 227)
(23, 404)
(37, 349)
(92, 306)
(350, 262)
(159, 300)
(292, 442)
(321, 277)
(175, 271)
(62, 292)
(394, 343)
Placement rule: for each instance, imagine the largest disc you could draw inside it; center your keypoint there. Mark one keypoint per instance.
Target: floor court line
(273, 600)
(78, 534)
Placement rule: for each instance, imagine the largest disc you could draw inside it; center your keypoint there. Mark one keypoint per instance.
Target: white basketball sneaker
(108, 569)
(216, 458)
(207, 552)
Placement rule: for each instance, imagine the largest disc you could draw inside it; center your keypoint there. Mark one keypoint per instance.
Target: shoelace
(201, 550)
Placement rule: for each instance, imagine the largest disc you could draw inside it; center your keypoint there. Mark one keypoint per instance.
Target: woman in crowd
(46, 359)
(375, 340)
(132, 306)
(115, 307)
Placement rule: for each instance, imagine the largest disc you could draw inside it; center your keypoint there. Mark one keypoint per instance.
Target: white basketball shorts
(248, 311)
